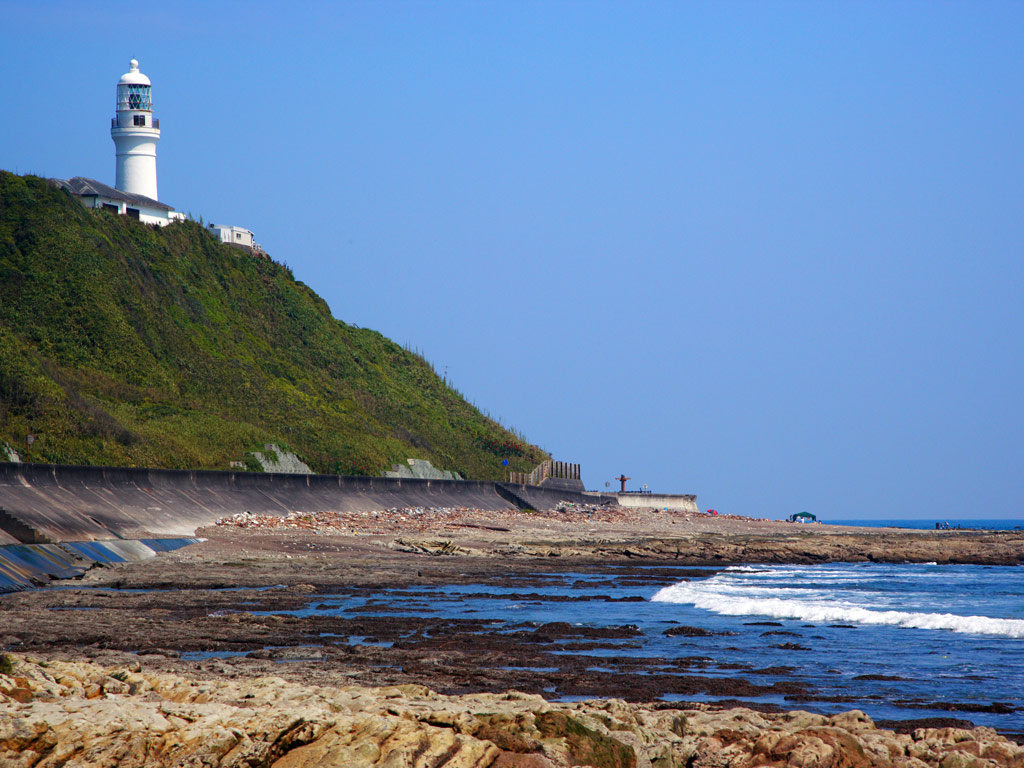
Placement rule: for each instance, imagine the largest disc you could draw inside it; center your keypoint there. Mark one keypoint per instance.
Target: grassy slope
(126, 344)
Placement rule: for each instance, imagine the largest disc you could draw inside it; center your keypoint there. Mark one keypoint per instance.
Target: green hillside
(132, 345)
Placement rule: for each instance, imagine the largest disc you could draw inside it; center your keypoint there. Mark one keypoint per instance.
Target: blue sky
(765, 252)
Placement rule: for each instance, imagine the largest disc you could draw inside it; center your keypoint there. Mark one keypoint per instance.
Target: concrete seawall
(23, 566)
(678, 501)
(52, 503)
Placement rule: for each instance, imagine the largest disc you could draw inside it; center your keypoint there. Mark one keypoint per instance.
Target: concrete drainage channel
(23, 566)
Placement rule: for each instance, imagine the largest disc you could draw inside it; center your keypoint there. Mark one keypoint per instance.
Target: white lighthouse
(135, 134)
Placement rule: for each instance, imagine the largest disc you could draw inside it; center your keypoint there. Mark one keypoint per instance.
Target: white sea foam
(730, 601)
(745, 569)
(820, 573)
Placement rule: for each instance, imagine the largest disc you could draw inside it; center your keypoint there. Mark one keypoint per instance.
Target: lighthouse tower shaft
(135, 134)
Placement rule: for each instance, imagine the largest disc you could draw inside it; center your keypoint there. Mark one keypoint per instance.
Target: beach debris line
(409, 519)
(394, 518)
(412, 518)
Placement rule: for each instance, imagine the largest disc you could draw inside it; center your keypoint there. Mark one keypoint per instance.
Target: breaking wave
(734, 600)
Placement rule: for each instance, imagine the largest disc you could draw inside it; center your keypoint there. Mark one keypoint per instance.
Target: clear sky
(765, 252)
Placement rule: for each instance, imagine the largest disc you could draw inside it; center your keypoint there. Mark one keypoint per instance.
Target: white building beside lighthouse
(135, 133)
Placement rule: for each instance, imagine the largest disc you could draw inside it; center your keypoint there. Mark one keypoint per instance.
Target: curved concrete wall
(44, 503)
(31, 565)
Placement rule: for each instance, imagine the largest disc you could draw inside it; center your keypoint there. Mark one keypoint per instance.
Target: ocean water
(901, 641)
(963, 599)
(897, 641)
(966, 523)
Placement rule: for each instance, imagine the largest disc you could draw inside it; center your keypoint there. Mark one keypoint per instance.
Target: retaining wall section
(544, 497)
(679, 501)
(46, 503)
(564, 484)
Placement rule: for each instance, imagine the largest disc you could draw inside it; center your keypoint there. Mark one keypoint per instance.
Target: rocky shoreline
(230, 610)
(84, 714)
(604, 534)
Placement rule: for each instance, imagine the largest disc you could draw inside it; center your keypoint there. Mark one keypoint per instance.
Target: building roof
(83, 187)
(795, 515)
(231, 227)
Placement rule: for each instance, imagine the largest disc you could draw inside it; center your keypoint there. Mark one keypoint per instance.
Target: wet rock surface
(235, 630)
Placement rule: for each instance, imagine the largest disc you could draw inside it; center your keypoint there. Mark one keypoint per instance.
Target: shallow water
(898, 641)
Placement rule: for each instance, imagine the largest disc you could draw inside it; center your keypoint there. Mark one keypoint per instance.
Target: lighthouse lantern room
(135, 133)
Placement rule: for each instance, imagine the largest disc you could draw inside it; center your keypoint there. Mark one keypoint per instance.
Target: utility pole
(622, 479)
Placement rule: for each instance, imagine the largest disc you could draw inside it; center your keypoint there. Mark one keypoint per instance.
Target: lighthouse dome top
(133, 76)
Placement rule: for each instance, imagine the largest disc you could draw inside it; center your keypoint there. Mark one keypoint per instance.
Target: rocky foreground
(78, 714)
(177, 661)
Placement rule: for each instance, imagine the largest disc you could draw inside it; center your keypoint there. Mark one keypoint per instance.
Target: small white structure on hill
(236, 236)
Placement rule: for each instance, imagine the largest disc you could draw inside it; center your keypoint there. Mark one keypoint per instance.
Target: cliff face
(125, 344)
(61, 713)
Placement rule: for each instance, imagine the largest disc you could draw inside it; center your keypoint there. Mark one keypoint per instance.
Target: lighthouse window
(135, 97)
(140, 120)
